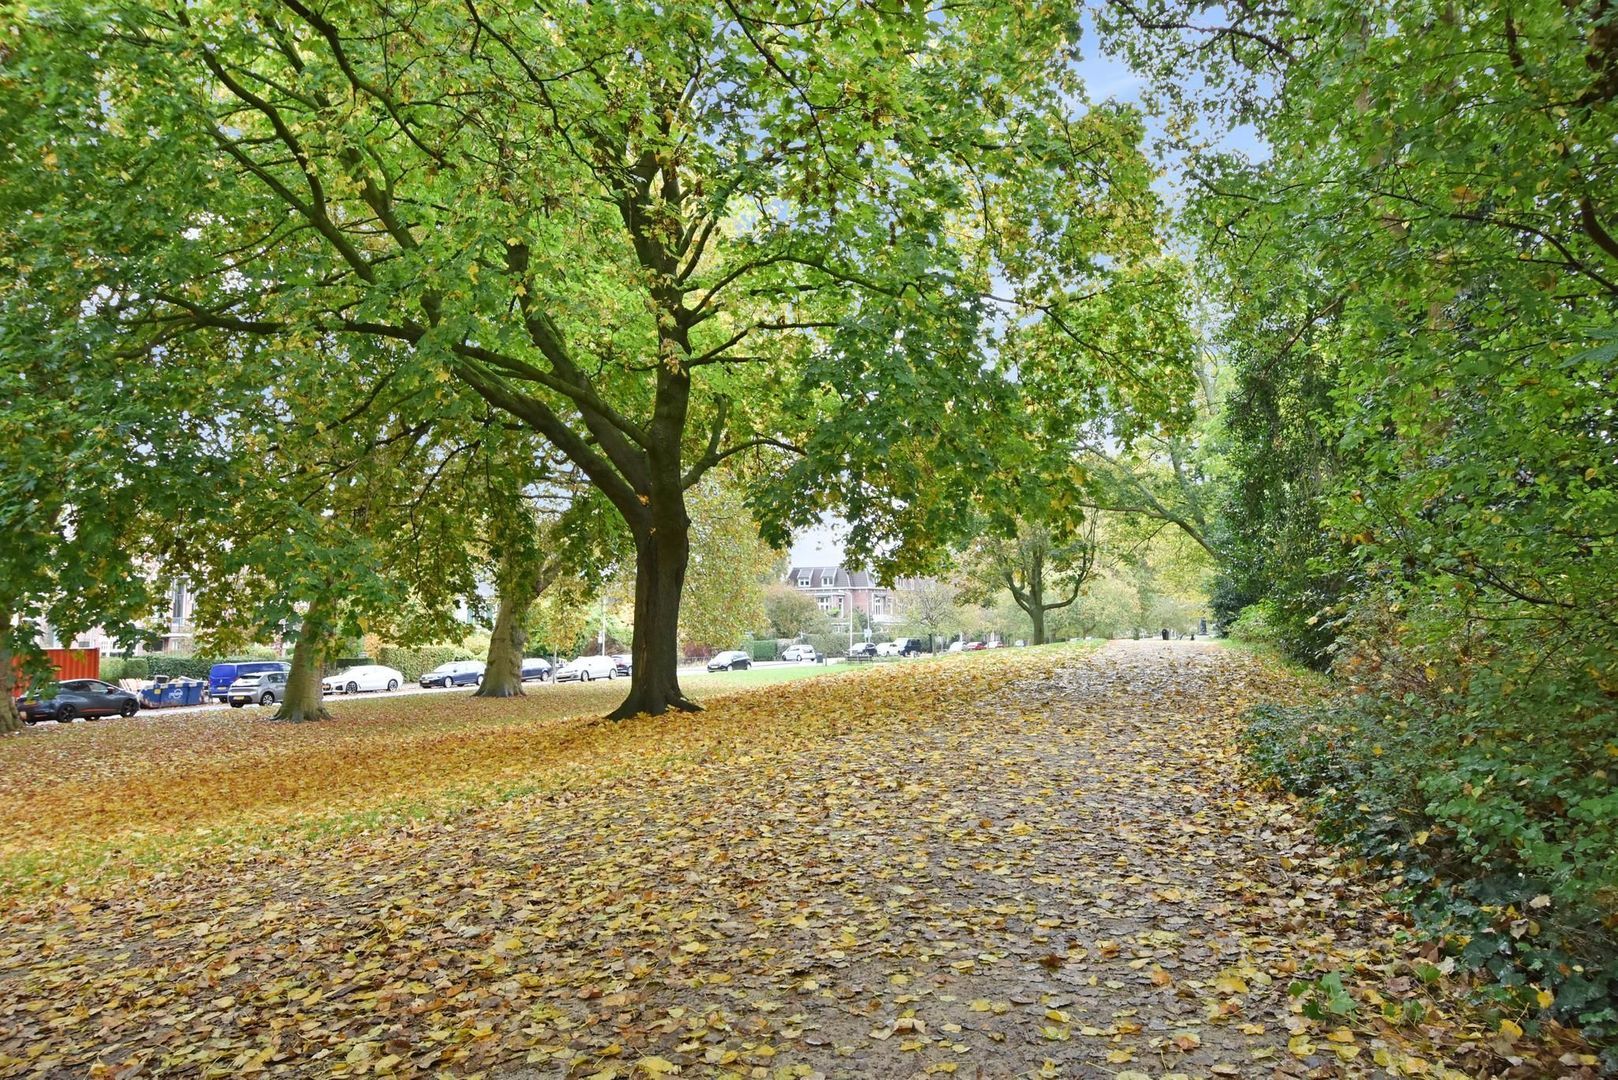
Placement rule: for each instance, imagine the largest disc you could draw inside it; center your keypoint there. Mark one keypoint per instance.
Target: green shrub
(414, 661)
(1256, 625)
(177, 666)
(1499, 830)
(115, 668)
(762, 649)
(829, 644)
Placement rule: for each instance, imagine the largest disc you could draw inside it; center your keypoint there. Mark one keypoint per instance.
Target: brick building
(840, 592)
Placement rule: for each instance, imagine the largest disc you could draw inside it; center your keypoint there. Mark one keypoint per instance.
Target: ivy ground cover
(1039, 863)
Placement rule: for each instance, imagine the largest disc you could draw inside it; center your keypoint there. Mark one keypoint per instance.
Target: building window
(881, 604)
(832, 605)
(177, 609)
(803, 580)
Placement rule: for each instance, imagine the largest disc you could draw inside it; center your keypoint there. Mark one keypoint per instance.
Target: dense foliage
(1507, 850)
(1420, 298)
(660, 236)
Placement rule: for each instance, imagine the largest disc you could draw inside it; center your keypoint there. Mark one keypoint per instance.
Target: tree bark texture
(523, 575)
(502, 669)
(303, 699)
(10, 722)
(661, 555)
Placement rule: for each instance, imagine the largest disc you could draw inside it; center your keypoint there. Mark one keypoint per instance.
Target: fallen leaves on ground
(103, 798)
(1034, 864)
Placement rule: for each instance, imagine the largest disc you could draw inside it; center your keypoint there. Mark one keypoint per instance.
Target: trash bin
(151, 697)
(192, 691)
(173, 694)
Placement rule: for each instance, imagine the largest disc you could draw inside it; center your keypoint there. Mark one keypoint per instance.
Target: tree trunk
(660, 560)
(1037, 615)
(521, 577)
(10, 722)
(502, 672)
(303, 699)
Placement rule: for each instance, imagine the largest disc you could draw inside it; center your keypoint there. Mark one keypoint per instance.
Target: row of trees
(375, 299)
(1111, 575)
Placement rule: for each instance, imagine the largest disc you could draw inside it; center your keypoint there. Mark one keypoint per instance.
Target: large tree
(1044, 568)
(928, 606)
(535, 536)
(791, 612)
(659, 235)
(1421, 287)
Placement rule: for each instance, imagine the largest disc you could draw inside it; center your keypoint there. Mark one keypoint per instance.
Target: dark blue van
(220, 676)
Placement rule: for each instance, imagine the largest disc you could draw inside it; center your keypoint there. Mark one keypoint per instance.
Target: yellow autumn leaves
(1037, 863)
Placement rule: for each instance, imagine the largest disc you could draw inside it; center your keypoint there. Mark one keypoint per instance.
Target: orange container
(70, 664)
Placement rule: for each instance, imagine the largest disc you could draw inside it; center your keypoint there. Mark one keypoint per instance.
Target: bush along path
(1037, 864)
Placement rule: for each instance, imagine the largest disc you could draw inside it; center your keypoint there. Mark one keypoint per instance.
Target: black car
(535, 667)
(454, 673)
(862, 650)
(79, 697)
(623, 662)
(734, 660)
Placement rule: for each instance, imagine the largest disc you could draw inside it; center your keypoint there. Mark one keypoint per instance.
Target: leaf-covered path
(1036, 864)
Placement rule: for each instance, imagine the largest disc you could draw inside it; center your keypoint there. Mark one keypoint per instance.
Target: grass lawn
(92, 802)
(721, 681)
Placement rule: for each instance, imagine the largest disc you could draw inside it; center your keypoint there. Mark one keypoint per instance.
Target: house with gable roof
(840, 592)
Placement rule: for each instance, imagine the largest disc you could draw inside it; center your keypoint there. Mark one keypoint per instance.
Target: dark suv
(79, 697)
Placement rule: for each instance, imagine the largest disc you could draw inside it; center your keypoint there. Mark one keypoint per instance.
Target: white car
(586, 668)
(364, 677)
(889, 648)
(800, 652)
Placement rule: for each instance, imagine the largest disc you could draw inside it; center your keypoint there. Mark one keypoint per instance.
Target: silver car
(263, 687)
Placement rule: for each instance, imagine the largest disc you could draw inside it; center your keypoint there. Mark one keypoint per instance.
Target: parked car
(360, 678)
(889, 648)
(800, 652)
(911, 646)
(535, 667)
(862, 650)
(733, 660)
(78, 697)
(624, 663)
(973, 646)
(586, 668)
(456, 673)
(265, 687)
(957, 646)
(221, 677)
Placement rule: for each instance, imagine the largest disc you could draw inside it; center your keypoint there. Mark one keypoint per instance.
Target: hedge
(171, 665)
(413, 662)
(829, 644)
